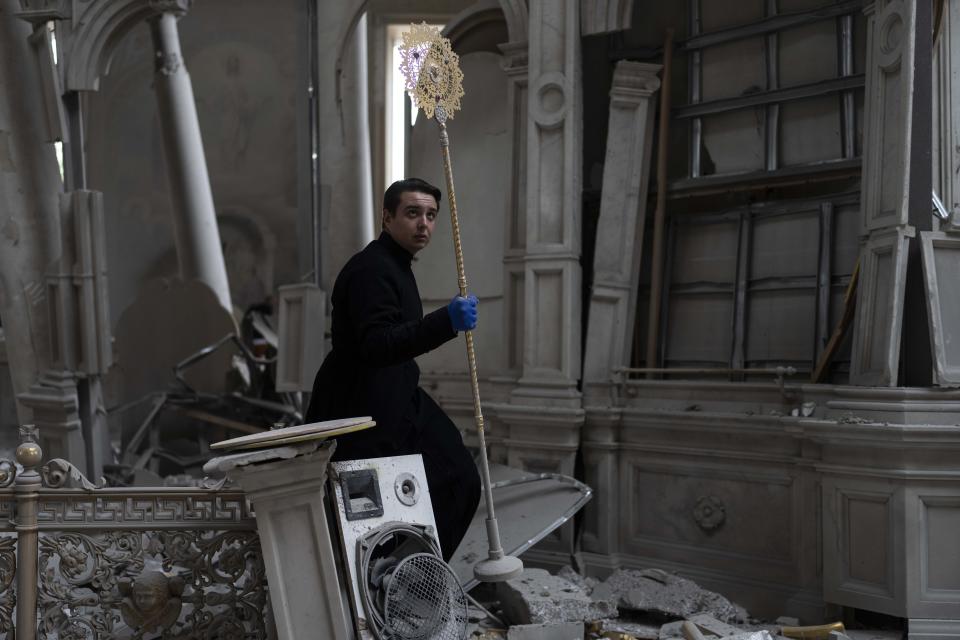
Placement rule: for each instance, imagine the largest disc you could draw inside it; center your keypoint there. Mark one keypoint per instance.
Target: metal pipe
(696, 59)
(847, 105)
(811, 90)
(771, 124)
(314, 127)
(656, 275)
(777, 371)
(586, 494)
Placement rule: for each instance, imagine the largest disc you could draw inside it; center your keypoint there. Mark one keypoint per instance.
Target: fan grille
(424, 601)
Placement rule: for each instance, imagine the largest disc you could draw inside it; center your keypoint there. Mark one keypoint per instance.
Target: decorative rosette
(432, 71)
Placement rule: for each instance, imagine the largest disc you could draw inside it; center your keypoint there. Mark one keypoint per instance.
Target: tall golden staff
(435, 83)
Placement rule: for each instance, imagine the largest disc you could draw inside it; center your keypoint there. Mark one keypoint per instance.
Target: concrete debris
(653, 591)
(838, 635)
(690, 631)
(672, 631)
(547, 631)
(638, 630)
(537, 597)
(787, 621)
(587, 584)
(874, 635)
(710, 626)
(750, 635)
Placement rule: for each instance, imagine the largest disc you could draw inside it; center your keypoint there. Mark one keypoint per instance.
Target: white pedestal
(287, 486)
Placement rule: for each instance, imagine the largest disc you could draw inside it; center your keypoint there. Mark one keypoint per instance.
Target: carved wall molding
(888, 113)
(482, 24)
(709, 513)
(517, 17)
(96, 29)
(80, 509)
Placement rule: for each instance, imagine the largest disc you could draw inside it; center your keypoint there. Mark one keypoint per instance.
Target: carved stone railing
(123, 563)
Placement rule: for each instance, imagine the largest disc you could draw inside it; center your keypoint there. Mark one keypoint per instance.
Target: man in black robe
(378, 329)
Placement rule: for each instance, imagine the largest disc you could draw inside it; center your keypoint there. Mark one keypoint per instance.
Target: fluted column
(195, 220)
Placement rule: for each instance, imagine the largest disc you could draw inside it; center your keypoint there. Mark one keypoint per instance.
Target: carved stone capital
(515, 58)
(41, 11)
(176, 7)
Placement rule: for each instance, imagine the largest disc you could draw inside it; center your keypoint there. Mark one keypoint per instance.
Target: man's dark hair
(391, 198)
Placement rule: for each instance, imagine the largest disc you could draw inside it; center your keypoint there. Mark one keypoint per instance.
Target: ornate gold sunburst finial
(432, 71)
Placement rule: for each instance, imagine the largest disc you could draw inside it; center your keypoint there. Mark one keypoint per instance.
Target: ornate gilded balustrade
(88, 562)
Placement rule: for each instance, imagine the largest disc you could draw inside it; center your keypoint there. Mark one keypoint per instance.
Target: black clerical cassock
(378, 329)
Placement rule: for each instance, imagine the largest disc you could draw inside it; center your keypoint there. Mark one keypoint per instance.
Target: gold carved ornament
(431, 71)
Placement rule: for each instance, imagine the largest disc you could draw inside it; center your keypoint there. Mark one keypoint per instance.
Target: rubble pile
(631, 604)
(537, 597)
(658, 593)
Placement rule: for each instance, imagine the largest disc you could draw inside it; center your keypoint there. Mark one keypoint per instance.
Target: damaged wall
(250, 83)
(756, 265)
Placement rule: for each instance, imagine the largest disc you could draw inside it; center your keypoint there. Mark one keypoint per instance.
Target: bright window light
(396, 107)
(58, 149)
(53, 39)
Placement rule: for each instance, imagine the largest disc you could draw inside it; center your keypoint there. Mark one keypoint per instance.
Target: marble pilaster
(613, 298)
(542, 272)
(886, 191)
(616, 269)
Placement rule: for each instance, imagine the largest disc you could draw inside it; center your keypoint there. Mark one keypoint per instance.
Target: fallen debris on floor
(634, 604)
(654, 591)
(537, 597)
(547, 631)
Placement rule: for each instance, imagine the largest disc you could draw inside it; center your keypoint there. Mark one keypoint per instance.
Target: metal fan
(408, 591)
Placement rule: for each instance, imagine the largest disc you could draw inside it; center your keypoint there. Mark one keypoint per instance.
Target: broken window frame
(846, 86)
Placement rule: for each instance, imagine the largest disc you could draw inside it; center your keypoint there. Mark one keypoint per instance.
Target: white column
(347, 209)
(286, 486)
(195, 220)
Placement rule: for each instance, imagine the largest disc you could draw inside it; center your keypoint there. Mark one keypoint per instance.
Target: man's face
(412, 224)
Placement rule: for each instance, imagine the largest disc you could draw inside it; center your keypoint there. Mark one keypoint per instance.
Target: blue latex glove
(463, 313)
